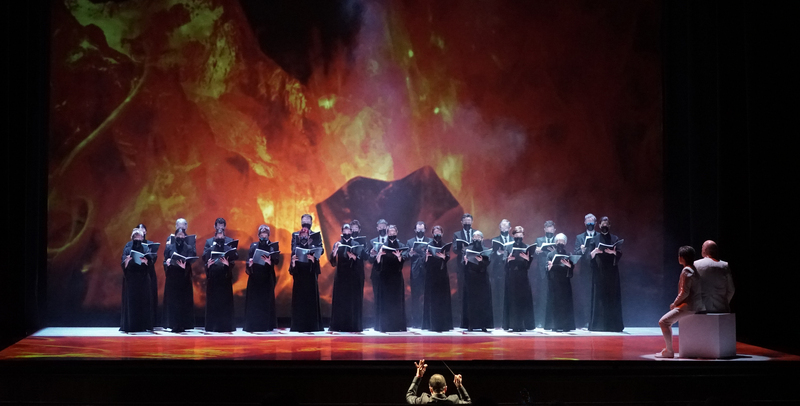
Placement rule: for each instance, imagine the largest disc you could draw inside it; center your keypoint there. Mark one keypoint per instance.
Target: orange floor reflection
(322, 347)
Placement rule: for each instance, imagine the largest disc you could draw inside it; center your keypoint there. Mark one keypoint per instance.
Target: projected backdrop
(258, 112)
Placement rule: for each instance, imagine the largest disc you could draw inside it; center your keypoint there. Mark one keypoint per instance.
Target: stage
(105, 366)
(108, 343)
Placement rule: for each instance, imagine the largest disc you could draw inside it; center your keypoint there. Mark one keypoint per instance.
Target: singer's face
(391, 231)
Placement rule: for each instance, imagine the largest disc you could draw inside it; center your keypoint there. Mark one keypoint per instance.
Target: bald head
(437, 383)
(710, 250)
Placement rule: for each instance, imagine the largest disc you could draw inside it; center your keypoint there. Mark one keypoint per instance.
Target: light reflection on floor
(109, 343)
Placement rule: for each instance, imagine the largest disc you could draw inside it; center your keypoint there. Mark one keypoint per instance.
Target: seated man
(716, 283)
(438, 387)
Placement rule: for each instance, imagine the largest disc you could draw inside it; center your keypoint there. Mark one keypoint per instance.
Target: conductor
(438, 388)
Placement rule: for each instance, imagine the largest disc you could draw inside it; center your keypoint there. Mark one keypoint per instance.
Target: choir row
(493, 280)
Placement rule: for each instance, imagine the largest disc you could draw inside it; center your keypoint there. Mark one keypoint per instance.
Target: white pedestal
(711, 335)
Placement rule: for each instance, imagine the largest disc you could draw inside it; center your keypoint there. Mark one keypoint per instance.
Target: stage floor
(110, 344)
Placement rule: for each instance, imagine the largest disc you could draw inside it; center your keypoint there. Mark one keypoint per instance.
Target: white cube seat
(710, 335)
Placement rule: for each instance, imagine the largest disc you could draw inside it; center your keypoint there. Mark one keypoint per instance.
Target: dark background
(729, 107)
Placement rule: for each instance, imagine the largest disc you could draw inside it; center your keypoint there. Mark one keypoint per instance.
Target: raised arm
(411, 394)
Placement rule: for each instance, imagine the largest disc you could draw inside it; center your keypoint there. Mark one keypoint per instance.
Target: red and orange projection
(163, 109)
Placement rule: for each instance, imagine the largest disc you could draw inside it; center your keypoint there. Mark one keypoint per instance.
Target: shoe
(665, 354)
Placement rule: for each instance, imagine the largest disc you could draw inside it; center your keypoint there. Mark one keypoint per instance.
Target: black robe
(560, 315)
(416, 280)
(178, 311)
(478, 297)
(137, 300)
(582, 279)
(306, 315)
(462, 290)
(374, 278)
(437, 312)
(518, 305)
(259, 310)
(497, 277)
(606, 312)
(219, 292)
(151, 270)
(391, 307)
(348, 292)
(539, 281)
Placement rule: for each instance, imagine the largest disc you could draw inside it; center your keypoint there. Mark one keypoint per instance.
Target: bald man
(716, 283)
(438, 389)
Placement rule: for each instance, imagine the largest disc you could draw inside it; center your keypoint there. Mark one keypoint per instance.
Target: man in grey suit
(716, 283)
(438, 389)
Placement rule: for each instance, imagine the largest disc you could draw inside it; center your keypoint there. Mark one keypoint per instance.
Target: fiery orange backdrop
(201, 109)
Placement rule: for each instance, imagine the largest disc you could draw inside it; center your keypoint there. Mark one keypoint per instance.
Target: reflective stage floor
(281, 345)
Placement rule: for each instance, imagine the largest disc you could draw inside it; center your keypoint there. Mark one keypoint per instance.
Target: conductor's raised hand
(457, 380)
(421, 367)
